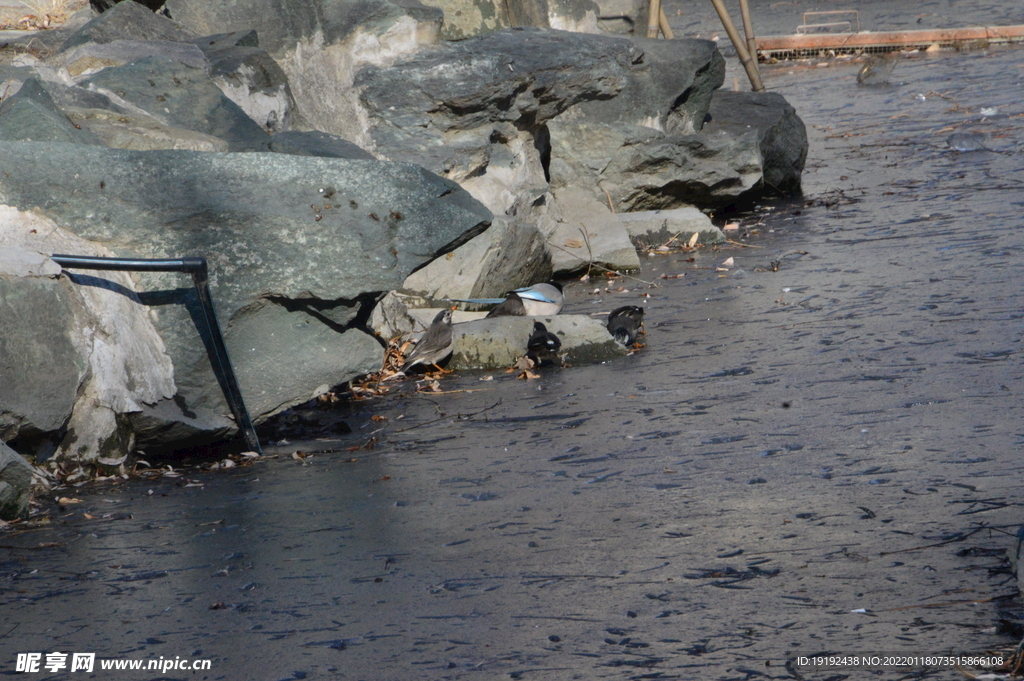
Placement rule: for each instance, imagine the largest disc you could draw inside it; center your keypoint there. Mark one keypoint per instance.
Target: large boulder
(78, 353)
(752, 144)
(475, 111)
(776, 129)
(300, 249)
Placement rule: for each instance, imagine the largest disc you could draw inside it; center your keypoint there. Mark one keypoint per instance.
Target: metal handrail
(196, 267)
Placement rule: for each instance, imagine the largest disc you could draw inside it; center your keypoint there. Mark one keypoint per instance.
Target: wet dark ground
(823, 458)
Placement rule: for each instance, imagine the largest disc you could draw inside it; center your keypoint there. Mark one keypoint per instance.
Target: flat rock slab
(498, 342)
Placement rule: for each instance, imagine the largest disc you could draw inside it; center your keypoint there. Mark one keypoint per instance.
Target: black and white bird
(436, 343)
(539, 300)
(543, 345)
(626, 323)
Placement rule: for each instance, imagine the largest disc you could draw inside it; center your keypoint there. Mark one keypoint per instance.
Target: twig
(590, 251)
(610, 206)
(944, 603)
(737, 243)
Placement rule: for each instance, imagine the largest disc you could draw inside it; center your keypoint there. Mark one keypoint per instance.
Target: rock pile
(320, 155)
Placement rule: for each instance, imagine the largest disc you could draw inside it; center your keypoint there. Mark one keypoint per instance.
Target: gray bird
(543, 345)
(626, 323)
(877, 69)
(436, 343)
(539, 300)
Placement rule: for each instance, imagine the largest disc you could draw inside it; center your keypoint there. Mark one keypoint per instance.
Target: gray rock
(670, 87)
(140, 132)
(274, 334)
(31, 115)
(581, 230)
(15, 482)
(651, 228)
(128, 21)
(780, 135)
(315, 143)
(90, 354)
(87, 58)
(251, 78)
(474, 111)
(499, 342)
(281, 24)
(625, 17)
(510, 254)
(179, 96)
(322, 237)
(644, 169)
(470, 18)
(224, 41)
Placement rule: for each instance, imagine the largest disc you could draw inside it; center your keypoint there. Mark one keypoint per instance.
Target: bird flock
(625, 324)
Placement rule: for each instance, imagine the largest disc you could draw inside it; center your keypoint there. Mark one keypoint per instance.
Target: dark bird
(539, 300)
(436, 343)
(543, 345)
(512, 306)
(626, 323)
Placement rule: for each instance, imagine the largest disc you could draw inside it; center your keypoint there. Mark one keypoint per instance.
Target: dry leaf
(378, 418)
(90, 517)
(573, 243)
(693, 239)
(728, 262)
(728, 227)
(64, 501)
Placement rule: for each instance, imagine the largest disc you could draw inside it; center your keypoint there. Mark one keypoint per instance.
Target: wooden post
(748, 63)
(748, 30)
(666, 30)
(654, 19)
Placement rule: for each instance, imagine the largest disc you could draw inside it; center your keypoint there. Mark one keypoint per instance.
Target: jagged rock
(83, 60)
(474, 111)
(318, 237)
(510, 254)
(651, 228)
(15, 480)
(128, 21)
(250, 77)
(780, 134)
(752, 150)
(582, 231)
(89, 356)
(179, 96)
(498, 342)
(30, 114)
(314, 143)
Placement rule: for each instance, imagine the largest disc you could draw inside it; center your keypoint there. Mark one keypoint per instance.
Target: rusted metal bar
(749, 65)
(890, 39)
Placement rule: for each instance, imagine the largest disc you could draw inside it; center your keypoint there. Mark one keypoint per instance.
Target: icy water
(819, 459)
